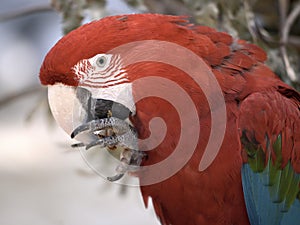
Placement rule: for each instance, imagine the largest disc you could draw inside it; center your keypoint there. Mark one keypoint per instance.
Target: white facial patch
(102, 70)
(104, 76)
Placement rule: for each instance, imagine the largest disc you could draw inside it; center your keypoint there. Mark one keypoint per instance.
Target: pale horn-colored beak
(67, 109)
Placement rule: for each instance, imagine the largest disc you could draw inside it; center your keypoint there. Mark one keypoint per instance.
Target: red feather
(256, 101)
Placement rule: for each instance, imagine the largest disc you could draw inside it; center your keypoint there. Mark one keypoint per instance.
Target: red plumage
(257, 102)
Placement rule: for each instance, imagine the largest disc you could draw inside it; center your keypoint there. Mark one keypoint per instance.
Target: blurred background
(45, 181)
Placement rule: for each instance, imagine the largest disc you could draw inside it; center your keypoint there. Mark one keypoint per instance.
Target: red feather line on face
(91, 76)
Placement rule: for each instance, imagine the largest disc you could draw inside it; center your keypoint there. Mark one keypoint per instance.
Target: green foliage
(73, 11)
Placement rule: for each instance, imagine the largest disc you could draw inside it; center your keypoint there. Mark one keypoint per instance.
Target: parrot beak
(97, 121)
(72, 106)
(66, 108)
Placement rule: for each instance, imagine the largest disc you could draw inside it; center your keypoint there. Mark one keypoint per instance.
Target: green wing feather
(283, 183)
(269, 123)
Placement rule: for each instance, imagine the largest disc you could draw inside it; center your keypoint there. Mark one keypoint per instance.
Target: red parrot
(129, 81)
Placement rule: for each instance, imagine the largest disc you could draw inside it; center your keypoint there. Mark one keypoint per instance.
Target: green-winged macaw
(129, 81)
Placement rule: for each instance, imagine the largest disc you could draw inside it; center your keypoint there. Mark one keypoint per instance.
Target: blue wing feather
(261, 207)
(293, 217)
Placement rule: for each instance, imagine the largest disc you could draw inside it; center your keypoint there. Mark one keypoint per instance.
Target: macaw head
(83, 74)
(96, 78)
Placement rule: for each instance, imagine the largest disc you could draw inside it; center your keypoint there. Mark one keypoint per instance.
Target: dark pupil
(101, 61)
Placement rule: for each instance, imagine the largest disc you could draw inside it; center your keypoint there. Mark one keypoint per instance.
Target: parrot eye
(101, 61)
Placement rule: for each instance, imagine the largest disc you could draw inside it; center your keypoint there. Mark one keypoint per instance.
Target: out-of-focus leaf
(73, 11)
